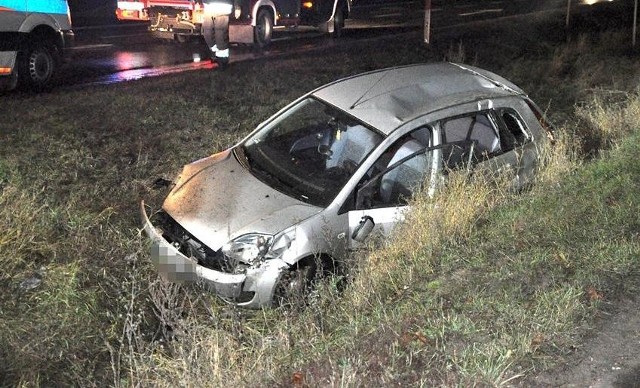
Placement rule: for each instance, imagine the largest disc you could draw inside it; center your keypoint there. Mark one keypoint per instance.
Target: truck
(35, 36)
(251, 22)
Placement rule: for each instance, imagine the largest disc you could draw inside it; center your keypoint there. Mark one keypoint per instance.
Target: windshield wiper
(267, 176)
(279, 184)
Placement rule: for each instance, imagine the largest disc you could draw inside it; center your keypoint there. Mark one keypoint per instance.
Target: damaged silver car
(261, 220)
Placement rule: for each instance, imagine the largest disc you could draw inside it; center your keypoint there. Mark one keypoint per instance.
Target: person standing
(215, 29)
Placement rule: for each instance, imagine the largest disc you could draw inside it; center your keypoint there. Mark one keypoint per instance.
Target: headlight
(252, 248)
(281, 243)
(247, 248)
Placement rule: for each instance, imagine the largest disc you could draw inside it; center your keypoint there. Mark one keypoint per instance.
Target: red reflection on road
(131, 60)
(134, 74)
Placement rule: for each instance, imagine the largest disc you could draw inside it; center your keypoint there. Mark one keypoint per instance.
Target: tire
(338, 22)
(263, 30)
(182, 39)
(36, 66)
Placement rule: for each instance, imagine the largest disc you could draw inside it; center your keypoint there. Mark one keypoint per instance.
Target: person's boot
(222, 62)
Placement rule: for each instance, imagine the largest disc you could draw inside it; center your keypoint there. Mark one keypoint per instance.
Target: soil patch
(611, 358)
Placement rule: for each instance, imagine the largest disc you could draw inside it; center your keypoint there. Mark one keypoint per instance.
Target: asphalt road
(126, 51)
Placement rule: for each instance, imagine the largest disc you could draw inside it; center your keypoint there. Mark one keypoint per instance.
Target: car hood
(216, 199)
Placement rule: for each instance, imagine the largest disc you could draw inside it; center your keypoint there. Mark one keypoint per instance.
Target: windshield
(310, 151)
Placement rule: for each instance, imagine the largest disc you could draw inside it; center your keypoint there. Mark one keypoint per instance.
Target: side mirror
(363, 230)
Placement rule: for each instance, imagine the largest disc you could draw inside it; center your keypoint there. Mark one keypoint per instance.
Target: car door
(517, 143)
(490, 139)
(408, 165)
(495, 147)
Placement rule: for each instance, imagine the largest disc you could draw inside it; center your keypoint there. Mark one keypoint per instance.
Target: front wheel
(264, 29)
(295, 285)
(36, 66)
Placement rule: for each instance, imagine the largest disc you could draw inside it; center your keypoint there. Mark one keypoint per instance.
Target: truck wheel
(338, 22)
(263, 30)
(182, 39)
(36, 66)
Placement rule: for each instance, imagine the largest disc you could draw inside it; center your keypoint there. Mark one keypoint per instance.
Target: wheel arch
(264, 4)
(39, 21)
(325, 261)
(322, 265)
(46, 35)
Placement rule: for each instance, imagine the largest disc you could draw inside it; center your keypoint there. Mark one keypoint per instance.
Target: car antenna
(368, 90)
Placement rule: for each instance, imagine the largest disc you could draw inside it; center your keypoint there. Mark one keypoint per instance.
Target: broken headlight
(252, 248)
(281, 242)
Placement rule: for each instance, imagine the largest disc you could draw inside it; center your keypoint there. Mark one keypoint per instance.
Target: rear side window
(513, 132)
(473, 135)
(477, 127)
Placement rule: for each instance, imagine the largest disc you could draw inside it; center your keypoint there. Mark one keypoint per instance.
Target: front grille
(191, 247)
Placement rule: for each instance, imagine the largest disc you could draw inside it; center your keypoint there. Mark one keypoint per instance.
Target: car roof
(388, 98)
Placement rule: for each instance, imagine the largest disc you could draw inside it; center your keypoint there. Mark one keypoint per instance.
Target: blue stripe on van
(44, 6)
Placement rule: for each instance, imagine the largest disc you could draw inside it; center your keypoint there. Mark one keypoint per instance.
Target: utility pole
(635, 23)
(427, 21)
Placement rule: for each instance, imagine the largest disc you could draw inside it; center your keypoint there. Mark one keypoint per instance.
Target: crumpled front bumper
(178, 268)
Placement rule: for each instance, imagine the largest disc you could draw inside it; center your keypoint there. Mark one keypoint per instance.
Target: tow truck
(251, 22)
(34, 35)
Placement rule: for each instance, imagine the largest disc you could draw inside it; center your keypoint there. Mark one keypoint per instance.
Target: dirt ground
(609, 358)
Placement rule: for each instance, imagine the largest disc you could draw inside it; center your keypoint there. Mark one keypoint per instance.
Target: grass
(501, 287)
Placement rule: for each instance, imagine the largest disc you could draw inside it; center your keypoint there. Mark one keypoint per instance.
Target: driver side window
(399, 172)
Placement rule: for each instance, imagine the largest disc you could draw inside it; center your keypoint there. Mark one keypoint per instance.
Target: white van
(34, 35)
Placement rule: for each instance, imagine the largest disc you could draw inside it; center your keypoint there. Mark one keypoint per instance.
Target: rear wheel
(263, 30)
(36, 65)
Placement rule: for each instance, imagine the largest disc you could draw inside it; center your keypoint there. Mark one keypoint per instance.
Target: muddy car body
(259, 220)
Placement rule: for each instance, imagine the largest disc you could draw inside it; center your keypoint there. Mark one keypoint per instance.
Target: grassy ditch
(487, 294)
